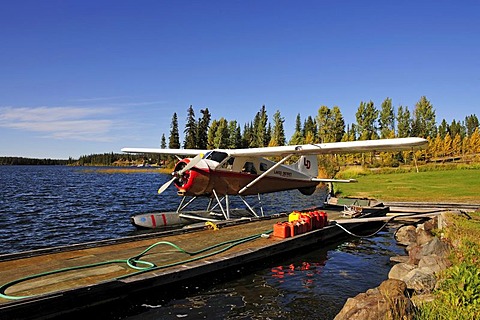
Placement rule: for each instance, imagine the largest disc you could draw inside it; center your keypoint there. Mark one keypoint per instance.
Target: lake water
(44, 206)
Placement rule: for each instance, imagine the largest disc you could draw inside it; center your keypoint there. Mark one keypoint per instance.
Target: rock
(399, 271)
(421, 280)
(423, 236)
(431, 224)
(388, 301)
(399, 259)
(435, 246)
(434, 263)
(406, 235)
(414, 254)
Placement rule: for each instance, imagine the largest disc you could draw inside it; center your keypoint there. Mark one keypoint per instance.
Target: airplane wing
(173, 152)
(397, 144)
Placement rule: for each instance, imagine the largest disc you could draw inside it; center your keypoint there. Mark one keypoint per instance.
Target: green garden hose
(134, 262)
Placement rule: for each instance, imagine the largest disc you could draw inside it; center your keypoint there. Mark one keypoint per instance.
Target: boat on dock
(62, 281)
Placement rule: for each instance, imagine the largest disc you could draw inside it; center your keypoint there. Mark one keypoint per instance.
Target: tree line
(447, 140)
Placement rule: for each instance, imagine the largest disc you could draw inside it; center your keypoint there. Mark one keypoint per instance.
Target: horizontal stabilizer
(334, 180)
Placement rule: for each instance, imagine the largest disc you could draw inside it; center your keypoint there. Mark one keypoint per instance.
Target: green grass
(458, 295)
(453, 185)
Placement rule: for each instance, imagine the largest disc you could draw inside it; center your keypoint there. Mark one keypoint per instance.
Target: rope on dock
(135, 262)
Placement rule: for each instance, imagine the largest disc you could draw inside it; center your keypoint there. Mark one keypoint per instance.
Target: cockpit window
(216, 156)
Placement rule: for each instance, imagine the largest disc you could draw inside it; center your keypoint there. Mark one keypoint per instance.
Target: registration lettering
(282, 173)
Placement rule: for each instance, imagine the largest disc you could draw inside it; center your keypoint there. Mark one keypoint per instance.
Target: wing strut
(276, 165)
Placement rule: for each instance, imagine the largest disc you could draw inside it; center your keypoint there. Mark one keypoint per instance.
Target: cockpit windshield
(216, 156)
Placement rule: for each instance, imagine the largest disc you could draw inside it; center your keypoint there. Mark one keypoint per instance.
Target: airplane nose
(192, 182)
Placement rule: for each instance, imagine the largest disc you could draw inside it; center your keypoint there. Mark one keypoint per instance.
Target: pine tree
(324, 125)
(260, 129)
(190, 131)
(310, 129)
(424, 119)
(221, 134)
(404, 122)
(278, 132)
(366, 121)
(297, 137)
(174, 139)
(338, 124)
(443, 128)
(202, 129)
(212, 131)
(386, 120)
(234, 135)
(471, 123)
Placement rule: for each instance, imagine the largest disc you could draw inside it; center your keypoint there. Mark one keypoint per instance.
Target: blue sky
(83, 77)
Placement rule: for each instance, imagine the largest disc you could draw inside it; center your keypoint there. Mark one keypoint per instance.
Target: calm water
(51, 206)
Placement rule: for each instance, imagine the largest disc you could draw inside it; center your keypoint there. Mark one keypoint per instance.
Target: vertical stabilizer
(307, 165)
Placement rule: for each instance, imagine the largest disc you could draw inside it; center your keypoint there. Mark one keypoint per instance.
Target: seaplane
(222, 173)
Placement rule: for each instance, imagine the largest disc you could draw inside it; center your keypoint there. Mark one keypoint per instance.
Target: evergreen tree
(310, 130)
(190, 131)
(443, 128)
(163, 142)
(404, 122)
(297, 137)
(324, 124)
(338, 124)
(247, 136)
(221, 134)
(424, 119)
(212, 131)
(471, 123)
(234, 135)
(366, 121)
(174, 139)
(260, 129)
(278, 132)
(456, 127)
(386, 120)
(202, 129)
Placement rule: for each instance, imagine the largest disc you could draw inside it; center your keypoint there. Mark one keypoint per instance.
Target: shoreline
(415, 278)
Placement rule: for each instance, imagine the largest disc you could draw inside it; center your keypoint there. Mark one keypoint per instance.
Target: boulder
(421, 280)
(388, 301)
(437, 247)
(431, 224)
(414, 254)
(423, 236)
(406, 235)
(434, 263)
(399, 259)
(399, 271)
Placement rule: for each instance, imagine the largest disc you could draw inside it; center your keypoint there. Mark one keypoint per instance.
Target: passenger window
(263, 166)
(249, 168)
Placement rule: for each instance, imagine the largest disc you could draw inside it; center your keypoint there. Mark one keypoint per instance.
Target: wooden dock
(106, 276)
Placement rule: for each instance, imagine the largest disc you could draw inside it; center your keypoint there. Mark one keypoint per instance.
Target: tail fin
(307, 165)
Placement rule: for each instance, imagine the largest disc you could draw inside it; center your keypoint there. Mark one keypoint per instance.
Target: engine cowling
(193, 182)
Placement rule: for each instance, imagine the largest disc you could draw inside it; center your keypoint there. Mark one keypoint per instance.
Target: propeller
(179, 173)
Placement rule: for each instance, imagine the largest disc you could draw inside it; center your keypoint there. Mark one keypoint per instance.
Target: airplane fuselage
(228, 179)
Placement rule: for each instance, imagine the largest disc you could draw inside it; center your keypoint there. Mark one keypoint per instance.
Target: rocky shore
(410, 281)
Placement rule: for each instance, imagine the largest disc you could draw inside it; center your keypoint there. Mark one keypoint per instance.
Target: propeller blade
(166, 185)
(179, 173)
(191, 164)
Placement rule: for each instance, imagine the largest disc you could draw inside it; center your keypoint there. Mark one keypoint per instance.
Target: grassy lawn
(455, 185)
